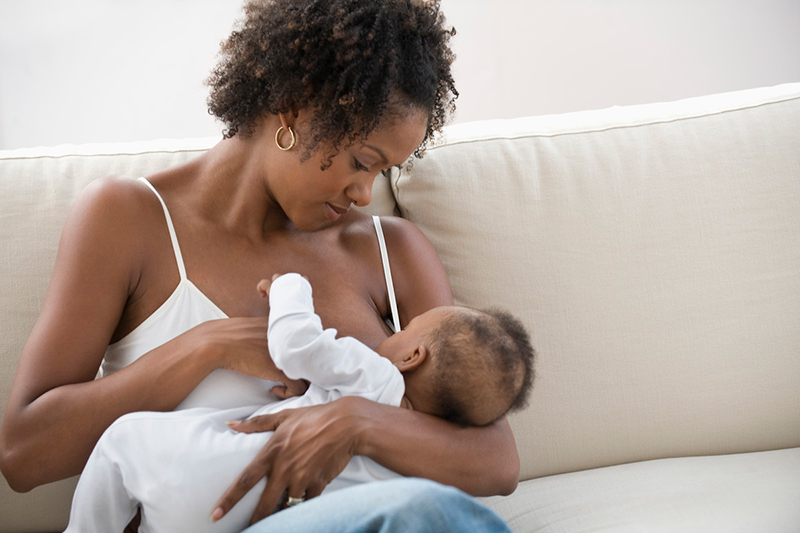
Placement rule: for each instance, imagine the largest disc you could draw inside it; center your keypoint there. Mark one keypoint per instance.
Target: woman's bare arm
(57, 411)
(480, 461)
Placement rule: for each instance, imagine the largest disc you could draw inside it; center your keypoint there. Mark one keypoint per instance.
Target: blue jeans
(399, 505)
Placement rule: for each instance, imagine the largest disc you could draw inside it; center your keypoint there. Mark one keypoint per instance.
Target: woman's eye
(359, 166)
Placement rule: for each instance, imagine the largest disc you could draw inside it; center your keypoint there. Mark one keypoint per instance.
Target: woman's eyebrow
(377, 151)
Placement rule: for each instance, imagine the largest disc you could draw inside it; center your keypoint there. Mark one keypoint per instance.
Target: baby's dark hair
(484, 366)
(352, 62)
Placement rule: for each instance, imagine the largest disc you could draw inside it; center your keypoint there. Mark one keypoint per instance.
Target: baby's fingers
(263, 287)
(291, 389)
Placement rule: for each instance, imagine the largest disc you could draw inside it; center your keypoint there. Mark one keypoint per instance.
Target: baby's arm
(303, 349)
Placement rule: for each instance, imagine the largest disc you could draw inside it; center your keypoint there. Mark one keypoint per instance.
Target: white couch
(653, 250)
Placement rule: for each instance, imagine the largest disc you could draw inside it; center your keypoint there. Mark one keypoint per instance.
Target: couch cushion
(653, 251)
(739, 493)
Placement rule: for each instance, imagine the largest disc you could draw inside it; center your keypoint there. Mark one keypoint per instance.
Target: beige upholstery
(652, 250)
(743, 493)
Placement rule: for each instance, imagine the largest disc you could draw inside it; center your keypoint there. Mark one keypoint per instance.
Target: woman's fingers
(270, 500)
(239, 344)
(315, 490)
(276, 497)
(310, 446)
(274, 494)
(261, 423)
(294, 496)
(259, 467)
(250, 476)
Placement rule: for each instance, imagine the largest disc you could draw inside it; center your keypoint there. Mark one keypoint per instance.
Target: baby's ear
(412, 359)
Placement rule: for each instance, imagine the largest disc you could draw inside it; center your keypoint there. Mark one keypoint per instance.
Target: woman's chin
(316, 221)
(311, 225)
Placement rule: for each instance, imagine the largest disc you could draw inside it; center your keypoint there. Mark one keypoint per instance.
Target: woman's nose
(360, 193)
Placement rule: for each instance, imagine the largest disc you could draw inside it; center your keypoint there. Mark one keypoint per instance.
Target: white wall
(74, 71)
(117, 70)
(552, 56)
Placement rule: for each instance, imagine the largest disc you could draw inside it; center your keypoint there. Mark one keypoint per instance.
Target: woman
(317, 97)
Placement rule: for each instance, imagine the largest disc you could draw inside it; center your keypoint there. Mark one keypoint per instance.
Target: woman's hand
(309, 448)
(240, 345)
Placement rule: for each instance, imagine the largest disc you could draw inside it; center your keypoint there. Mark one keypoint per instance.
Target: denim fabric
(395, 506)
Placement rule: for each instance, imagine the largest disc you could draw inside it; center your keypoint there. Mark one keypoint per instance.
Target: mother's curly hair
(353, 62)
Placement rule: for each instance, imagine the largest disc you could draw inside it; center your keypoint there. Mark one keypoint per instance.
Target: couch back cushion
(654, 253)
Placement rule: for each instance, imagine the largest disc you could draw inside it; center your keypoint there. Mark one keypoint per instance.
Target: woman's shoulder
(115, 195)
(115, 212)
(403, 233)
(359, 235)
(419, 277)
(120, 199)
(405, 242)
(361, 226)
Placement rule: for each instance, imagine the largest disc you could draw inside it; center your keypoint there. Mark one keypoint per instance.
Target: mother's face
(313, 198)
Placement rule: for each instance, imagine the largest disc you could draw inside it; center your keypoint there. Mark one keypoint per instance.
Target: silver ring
(294, 501)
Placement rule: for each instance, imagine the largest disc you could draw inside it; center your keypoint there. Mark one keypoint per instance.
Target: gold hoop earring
(278, 138)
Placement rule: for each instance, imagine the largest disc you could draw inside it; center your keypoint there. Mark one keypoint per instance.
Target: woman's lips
(334, 212)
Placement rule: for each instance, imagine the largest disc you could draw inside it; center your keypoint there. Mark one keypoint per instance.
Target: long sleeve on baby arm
(304, 350)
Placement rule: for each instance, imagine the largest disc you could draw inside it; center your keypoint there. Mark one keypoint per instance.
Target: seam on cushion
(610, 128)
(131, 153)
(394, 186)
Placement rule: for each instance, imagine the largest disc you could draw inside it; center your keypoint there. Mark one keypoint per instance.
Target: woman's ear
(289, 118)
(413, 359)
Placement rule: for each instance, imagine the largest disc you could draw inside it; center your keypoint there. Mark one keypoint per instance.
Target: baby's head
(467, 366)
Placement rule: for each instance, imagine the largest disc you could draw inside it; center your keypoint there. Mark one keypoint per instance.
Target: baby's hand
(264, 285)
(291, 389)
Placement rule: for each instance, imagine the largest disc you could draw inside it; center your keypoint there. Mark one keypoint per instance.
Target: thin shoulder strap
(172, 236)
(387, 272)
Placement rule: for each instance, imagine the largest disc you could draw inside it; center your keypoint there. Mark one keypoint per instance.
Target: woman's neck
(233, 189)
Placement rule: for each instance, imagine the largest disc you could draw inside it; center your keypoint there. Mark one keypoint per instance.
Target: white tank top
(187, 307)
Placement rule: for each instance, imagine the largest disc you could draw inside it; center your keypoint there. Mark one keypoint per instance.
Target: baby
(467, 366)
